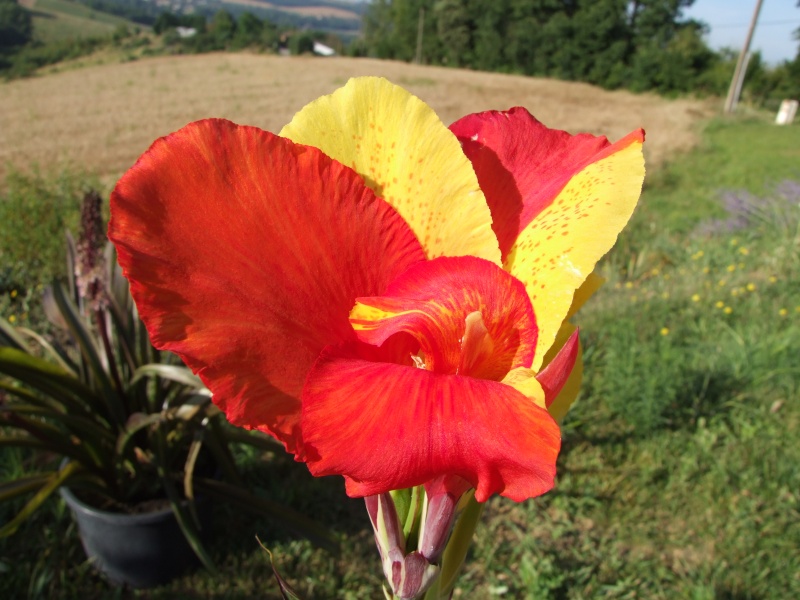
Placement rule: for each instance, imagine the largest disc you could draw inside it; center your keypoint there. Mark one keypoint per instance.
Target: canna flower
(385, 296)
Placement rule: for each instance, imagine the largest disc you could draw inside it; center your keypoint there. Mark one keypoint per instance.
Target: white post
(787, 112)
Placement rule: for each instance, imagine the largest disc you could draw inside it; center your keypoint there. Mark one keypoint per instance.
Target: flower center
(467, 316)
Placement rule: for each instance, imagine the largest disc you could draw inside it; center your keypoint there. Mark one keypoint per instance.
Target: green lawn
(680, 471)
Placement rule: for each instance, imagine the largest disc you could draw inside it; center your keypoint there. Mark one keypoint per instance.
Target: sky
(729, 20)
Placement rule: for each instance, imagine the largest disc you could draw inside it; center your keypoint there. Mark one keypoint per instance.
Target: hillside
(101, 118)
(56, 20)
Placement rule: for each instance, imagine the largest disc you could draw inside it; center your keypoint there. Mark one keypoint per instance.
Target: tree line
(636, 44)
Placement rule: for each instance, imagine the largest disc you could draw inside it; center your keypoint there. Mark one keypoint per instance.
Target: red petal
(522, 165)
(553, 377)
(437, 301)
(245, 254)
(385, 427)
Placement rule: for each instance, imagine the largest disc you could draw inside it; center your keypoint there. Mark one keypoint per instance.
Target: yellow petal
(524, 381)
(557, 251)
(593, 283)
(408, 157)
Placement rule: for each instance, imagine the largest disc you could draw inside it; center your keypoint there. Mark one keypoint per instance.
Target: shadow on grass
(685, 399)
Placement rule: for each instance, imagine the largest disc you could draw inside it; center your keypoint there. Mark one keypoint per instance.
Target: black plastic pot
(139, 550)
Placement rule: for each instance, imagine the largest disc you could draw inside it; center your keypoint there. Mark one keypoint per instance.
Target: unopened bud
(439, 514)
(388, 531)
(413, 576)
(436, 526)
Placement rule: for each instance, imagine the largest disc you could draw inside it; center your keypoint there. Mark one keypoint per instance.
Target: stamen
(476, 344)
(419, 361)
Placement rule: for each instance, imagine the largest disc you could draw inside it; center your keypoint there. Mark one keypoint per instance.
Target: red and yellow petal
(386, 426)
(559, 406)
(557, 371)
(408, 157)
(469, 316)
(521, 164)
(245, 254)
(557, 251)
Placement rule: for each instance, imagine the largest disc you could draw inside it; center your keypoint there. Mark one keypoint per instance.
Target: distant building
(323, 50)
(186, 32)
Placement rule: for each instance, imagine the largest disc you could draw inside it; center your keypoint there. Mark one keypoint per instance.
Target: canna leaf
(50, 485)
(135, 423)
(89, 350)
(10, 337)
(51, 380)
(85, 429)
(60, 359)
(186, 523)
(22, 485)
(175, 373)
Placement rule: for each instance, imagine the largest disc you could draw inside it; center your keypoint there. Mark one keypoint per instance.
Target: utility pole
(420, 27)
(741, 65)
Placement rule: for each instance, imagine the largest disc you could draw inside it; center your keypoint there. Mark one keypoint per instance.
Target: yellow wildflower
(696, 298)
(665, 331)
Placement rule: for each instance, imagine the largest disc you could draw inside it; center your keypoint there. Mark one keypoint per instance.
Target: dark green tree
(165, 21)
(454, 30)
(642, 44)
(248, 31)
(222, 27)
(16, 25)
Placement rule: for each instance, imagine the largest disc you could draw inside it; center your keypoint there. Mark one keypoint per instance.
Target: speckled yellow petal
(556, 252)
(408, 157)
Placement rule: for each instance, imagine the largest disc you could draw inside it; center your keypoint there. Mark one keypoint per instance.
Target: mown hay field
(100, 118)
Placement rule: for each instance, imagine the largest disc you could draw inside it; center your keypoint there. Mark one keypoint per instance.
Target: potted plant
(130, 434)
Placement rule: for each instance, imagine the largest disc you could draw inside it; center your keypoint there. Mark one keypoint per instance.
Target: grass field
(103, 117)
(680, 470)
(57, 20)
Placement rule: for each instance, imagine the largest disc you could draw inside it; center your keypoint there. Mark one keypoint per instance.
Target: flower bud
(413, 576)
(388, 532)
(439, 514)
